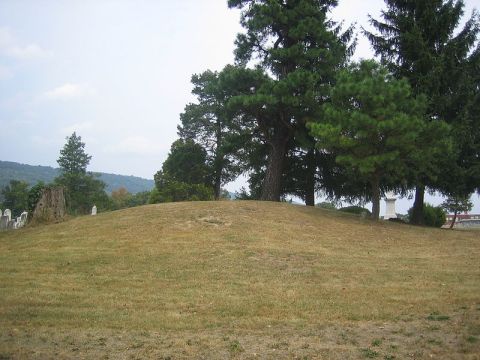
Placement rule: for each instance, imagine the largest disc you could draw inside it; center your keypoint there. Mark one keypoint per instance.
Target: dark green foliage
(173, 191)
(301, 49)
(326, 205)
(140, 198)
(73, 159)
(434, 215)
(83, 190)
(15, 197)
(210, 124)
(358, 210)
(373, 125)
(184, 175)
(457, 204)
(34, 195)
(186, 162)
(420, 41)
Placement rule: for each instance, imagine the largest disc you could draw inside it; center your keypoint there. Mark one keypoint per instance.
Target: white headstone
(390, 199)
(94, 210)
(8, 213)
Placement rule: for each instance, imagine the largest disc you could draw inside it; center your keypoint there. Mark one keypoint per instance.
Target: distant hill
(33, 174)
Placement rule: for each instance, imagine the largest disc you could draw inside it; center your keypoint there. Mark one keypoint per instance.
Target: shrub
(434, 216)
(358, 210)
(326, 205)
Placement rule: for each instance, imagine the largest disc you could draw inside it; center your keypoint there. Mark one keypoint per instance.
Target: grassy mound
(241, 279)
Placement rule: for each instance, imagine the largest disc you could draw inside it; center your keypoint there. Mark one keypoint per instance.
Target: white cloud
(11, 47)
(69, 91)
(137, 145)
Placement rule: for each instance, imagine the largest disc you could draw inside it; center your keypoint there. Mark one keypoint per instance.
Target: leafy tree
(34, 195)
(83, 189)
(120, 198)
(420, 40)
(210, 124)
(186, 162)
(300, 48)
(140, 198)
(372, 126)
(184, 175)
(15, 197)
(457, 204)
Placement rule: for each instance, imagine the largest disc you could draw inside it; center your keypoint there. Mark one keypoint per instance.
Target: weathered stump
(51, 207)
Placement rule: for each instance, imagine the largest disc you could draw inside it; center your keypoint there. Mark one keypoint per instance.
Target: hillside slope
(33, 174)
(238, 279)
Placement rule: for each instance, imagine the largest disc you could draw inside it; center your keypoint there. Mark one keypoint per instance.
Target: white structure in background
(390, 199)
(7, 223)
(94, 210)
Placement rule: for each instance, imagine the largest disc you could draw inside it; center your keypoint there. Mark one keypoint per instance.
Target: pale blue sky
(117, 72)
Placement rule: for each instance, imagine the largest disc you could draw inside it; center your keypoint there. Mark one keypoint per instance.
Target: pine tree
(419, 40)
(300, 48)
(210, 123)
(372, 126)
(83, 189)
(73, 158)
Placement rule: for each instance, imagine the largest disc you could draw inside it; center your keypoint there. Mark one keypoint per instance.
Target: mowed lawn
(237, 279)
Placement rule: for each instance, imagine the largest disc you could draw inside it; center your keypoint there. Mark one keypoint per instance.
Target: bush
(326, 205)
(172, 191)
(434, 215)
(358, 210)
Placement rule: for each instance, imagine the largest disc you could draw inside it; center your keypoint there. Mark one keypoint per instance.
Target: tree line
(300, 118)
(82, 189)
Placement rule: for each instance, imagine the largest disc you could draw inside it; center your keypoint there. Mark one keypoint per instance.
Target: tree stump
(51, 207)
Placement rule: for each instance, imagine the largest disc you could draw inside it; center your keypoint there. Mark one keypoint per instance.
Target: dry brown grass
(238, 279)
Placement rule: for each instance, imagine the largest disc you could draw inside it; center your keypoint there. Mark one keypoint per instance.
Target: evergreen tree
(419, 40)
(372, 126)
(301, 49)
(73, 158)
(184, 174)
(83, 189)
(210, 124)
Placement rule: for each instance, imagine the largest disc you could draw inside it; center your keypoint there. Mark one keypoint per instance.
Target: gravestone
(3, 222)
(94, 210)
(8, 213)
(390, 199)
(11, 224)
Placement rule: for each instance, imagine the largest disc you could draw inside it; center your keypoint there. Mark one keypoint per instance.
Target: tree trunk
(218, 161)
(417, 212)
(375, 183)
(217, 186)
(310, 181)
(454, 219)
(51, 206)
(272, 183)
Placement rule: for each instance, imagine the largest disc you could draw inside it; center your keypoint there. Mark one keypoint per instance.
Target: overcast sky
(116, 72)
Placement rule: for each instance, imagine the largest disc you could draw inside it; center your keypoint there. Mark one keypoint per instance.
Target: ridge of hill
(238, 279)
(32, 174)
